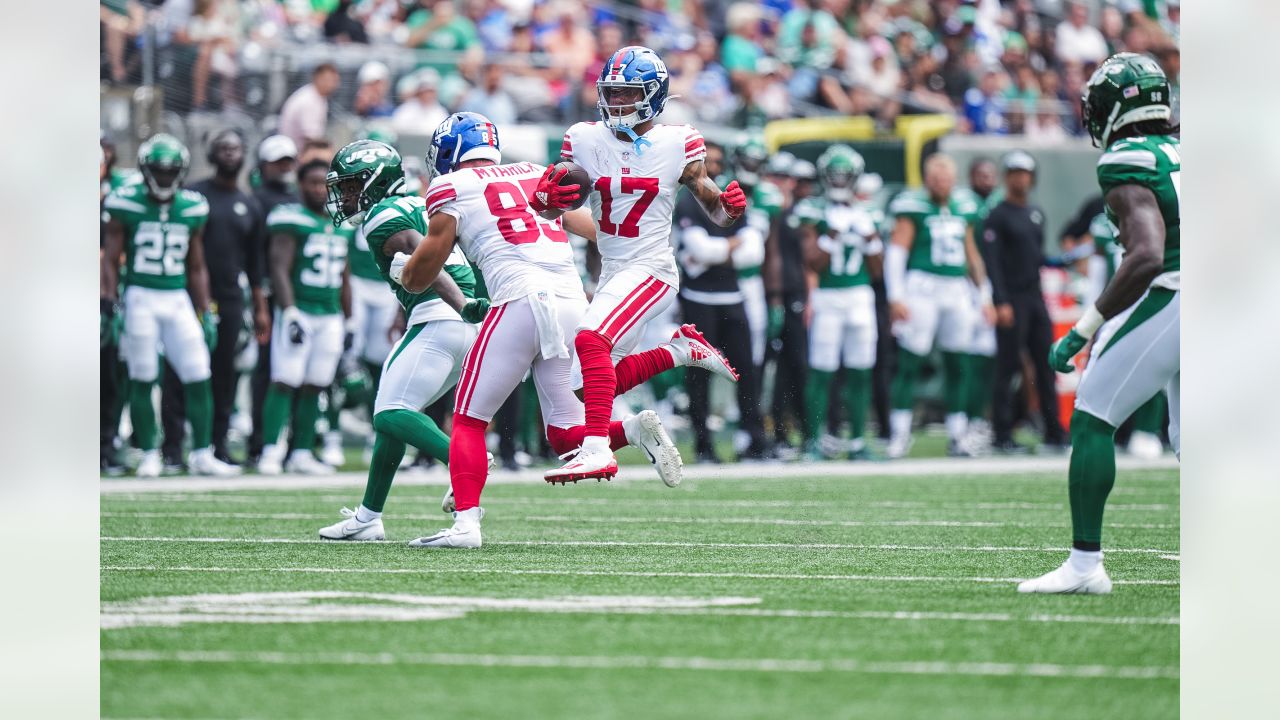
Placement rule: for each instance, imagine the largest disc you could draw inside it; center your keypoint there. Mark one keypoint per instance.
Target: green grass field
(852, 596)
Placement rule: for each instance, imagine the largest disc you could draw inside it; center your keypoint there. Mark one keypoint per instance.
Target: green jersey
(940, 230)
(1153, 162)
(847, 233)
(156, 235)
(408, 212)
(362, 263)
(1105, 244)
(320, 256)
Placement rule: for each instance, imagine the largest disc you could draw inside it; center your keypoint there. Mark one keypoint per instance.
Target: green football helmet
(163, 161)
(749, 157)
(839, 168)
(361, 175)
(1128, 88)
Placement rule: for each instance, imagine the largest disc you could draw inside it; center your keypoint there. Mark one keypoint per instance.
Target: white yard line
(669, 502)
(629, 662)
(641, 473)
(662, 520)
(588, 573)
(623, 543)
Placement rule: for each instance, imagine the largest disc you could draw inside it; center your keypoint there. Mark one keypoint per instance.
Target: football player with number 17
(636, 167)
(538, 301)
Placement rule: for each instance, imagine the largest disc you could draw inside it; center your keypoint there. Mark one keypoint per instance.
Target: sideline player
(158, 227)
(1126, 110)
(310, 280)
(926, 263)
(636, 167)
(528, 265)
(366, 178)
(842, 246)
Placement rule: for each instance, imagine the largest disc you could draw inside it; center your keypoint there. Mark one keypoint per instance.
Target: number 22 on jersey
(642, 189)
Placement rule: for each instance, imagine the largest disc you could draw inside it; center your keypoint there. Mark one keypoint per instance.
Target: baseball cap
(1019, 160)
(277, 147)
(372, 71)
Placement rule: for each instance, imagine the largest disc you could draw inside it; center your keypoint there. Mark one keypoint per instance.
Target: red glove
(551, 194)
(733, 200)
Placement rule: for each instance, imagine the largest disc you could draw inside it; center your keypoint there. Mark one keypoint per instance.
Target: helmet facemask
(348, 195)
(632, 108)
(839, 183)
(163, 179)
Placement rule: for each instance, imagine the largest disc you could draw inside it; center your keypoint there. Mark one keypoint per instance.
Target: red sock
(565, 439)
(468, 460)
(635, 369)
(598, 381)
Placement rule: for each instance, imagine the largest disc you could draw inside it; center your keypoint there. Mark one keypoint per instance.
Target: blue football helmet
(462, 136)
(637, 67)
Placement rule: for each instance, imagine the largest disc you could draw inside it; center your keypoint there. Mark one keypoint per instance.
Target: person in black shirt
(277, 164)
(788, 290)
(710, 298)
(233, 250)
(1013, 236)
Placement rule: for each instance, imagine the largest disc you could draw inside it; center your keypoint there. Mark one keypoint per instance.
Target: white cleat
(150, 465)
(584, 464)
(898, 447)
(332, 453)
(465, 532)
(352, 529)
(303, 462)
(271, 462)
(1065, 580)
(1145, 445)
(203, 462)
(691, 348)
(645, 431)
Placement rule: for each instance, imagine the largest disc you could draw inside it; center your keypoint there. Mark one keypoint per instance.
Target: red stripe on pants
(618, 312)
(641, 309)
(475, 359)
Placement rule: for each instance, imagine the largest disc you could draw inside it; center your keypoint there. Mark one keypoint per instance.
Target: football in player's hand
(575, 175)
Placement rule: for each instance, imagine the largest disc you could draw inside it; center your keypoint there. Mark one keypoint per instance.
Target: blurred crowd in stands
(1000, 66)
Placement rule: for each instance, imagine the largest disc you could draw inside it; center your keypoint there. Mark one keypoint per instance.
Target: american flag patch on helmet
(1130, 91)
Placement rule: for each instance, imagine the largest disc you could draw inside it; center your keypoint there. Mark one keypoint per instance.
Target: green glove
(209, 323)
(1066, 347)
(777, 316)
(474, 311)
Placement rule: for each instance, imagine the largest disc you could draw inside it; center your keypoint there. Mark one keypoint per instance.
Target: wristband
(1089, 322)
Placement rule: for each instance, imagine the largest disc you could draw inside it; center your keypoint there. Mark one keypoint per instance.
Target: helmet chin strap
(637, 142)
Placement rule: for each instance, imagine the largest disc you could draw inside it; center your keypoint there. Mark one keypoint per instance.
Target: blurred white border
(48, 429)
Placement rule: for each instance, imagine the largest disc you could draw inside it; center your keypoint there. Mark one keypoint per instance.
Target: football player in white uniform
(537, 303)
(636, 167)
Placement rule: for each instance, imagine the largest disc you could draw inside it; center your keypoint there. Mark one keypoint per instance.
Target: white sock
(596, 443)
(467, 517)
(1084, 561)
(899, 423)
(957, 424)
(857, 444)
(364, 514)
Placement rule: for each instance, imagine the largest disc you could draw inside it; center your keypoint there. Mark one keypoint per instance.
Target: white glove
(397, 266)
(296, 331)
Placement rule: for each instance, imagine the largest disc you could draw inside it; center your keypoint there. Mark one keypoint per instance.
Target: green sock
(416, 429)
(903, 388)
(1092, 473)
(304, 423)
(817, 402)
(387, 454)
(1150, 417)
(275, 412)
(857, 393)
(200, 412)
(981, 378)
(955, 377)
(142, 414)
(333, 407)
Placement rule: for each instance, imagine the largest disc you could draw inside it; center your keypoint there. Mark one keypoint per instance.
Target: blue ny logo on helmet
(633, 67)
(462, 136)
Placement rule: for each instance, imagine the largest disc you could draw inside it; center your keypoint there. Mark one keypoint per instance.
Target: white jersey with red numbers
(634, 194)
(518, 252)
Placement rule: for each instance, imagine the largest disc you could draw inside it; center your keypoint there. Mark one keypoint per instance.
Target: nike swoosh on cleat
(652, 460)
